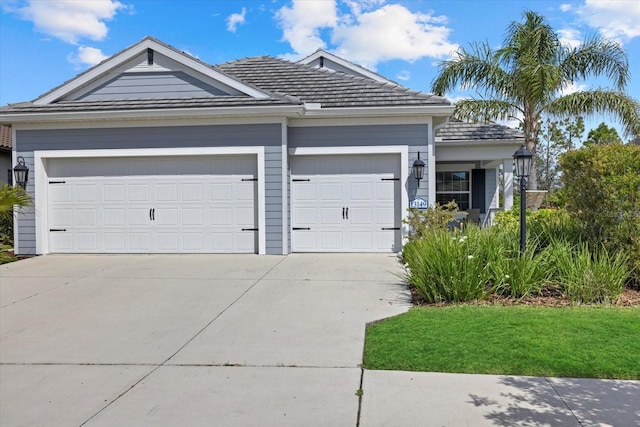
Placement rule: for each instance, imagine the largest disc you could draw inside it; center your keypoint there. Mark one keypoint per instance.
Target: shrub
(421, 221)
(518, 275)
(445, 266)
(602, 185)
(589, 276)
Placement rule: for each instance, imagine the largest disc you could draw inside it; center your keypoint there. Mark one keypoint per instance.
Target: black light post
(522, 159)
(418, 169)
(21, 173)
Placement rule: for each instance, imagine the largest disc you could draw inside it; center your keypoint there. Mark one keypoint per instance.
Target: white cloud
(86, 56)
(404, 75)
(572, 88)
(393, 32)
(366, 32)
(301, 24)
(618, 20)
(236, 19)
(68, 20)
(566, 7)
(570, 37)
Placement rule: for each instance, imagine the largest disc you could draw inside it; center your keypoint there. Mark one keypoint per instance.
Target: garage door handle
(347, 213)
(153, 214)
(342, 213)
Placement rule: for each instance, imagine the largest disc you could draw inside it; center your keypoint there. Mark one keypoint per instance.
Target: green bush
(518, 275)
(602, 186)
(421, 221)
(445, 266)
(588, 276)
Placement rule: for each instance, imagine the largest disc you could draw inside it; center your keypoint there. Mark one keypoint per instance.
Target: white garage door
(345, 212)
(149, 211)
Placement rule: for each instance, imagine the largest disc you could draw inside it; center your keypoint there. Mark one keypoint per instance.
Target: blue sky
(46, 42)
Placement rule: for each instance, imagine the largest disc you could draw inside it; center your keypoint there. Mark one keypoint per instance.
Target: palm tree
(10, 197)
(526, 78)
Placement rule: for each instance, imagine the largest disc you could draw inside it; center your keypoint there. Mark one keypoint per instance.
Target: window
(454, 186)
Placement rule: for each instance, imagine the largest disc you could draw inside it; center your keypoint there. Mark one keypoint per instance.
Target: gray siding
(273, 199)
(371, 135)
(26, 244)
(173, 84)
(267, 135)
(149, 137)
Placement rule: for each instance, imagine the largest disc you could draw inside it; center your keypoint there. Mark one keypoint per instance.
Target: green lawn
(579, 342)
(4, 254)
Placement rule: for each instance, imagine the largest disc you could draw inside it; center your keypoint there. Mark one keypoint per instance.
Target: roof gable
(326, 60)
(149, 57)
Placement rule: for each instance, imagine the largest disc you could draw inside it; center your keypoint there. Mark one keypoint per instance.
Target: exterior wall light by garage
(418, 169)
(21, 173)
(522, 159)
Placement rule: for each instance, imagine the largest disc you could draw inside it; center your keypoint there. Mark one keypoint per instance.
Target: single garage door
(204, 204)
(345, 203)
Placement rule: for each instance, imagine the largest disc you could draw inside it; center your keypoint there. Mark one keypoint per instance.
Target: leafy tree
(556, 137)
(527, 76)
(603, 134)
(602, 185)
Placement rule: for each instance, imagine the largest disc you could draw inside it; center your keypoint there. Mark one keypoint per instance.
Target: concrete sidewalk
(217, 340)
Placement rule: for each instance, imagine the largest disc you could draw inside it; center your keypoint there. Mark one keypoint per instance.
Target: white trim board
(41, 179)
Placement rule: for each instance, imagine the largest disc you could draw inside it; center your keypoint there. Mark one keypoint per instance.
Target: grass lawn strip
(577, 342)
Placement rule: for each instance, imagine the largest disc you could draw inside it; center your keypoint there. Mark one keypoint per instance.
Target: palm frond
(484, 110)
(600, 101)
(477, 69)
(12, 196)
(597, 57)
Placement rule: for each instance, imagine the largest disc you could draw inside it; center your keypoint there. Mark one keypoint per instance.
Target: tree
(556, 137)
(603, 134)
(526, 79)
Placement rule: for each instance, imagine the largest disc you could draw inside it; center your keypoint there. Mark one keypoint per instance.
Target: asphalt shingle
(468, 131)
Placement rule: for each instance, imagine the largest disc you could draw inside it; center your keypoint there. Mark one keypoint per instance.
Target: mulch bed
(550, 297)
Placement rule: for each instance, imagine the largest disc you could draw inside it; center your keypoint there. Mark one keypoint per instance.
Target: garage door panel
(331, 216)
(86, 242)
(361, 216)
(331, 191)
(385, 190)
(86, 217)
(61, 193)
(61, 218)
(154, 213)
(137, 193)
(360, 191)
(331, 240)
(361, 240)
(86, 193)
(385, 217)
(113, 193)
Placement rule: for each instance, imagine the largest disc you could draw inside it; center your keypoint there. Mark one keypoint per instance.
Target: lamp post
(418, 169)
(21, 173)
(522, 159)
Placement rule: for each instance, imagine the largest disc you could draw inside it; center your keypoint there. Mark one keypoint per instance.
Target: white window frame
(466, 167)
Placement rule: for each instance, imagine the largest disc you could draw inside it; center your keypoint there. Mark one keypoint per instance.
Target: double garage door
(345, 203)
(153, 205)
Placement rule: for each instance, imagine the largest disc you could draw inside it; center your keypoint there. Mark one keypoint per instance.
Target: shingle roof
(467, 131)
(313, 85)
(5, 137)
(145, 104)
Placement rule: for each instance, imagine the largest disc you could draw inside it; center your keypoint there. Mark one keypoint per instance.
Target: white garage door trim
(402, 150)
(41, 180)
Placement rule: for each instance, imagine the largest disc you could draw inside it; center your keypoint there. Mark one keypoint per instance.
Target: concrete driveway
(167, 340)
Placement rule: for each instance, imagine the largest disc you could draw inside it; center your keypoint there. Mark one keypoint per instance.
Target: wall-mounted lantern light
(21, 173)
(418, 169)
(522, 159)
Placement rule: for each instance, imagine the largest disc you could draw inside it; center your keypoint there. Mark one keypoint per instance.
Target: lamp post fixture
(21, 173)
(522, 159)
(418, 169)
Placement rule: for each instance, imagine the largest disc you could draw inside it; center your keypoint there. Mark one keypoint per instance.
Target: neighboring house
(153, 150)
(5, 155)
